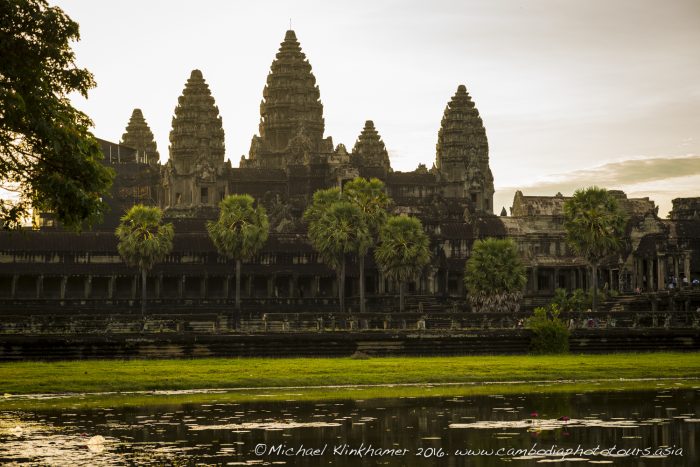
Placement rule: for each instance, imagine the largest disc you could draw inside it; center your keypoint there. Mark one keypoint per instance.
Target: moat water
(651, 428)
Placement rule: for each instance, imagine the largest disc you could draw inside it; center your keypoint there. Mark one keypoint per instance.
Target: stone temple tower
(462, 153)
(194, 173)
(370, 152)
(291, 113)
(140, 137)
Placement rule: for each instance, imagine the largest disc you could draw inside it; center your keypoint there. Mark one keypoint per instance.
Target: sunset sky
(572, 93)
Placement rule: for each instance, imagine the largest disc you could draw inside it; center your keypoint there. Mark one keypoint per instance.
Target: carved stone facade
(194, 174)
(288, 161)
(370, 152)
(462, 159)
(139, 136)
(291, 114)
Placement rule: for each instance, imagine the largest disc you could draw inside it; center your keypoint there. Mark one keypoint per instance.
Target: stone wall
(516, 341)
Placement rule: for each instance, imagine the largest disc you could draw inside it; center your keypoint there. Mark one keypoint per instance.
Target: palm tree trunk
(238, 285)
(143, 293)
(238, 293)
(401, 298)
(362, 283)
(594, 277)
(341, 286)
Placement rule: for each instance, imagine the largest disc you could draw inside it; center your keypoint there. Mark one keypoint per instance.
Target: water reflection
(619, 428)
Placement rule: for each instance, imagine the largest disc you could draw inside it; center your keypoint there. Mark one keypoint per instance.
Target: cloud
(659, 178)
(626, 172)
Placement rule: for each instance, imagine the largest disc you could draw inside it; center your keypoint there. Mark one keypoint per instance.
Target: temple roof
(369, 150)
(197, 135)
(529, 206)
(139, 136)
(411, 178)
(291, 99)
(462, 136)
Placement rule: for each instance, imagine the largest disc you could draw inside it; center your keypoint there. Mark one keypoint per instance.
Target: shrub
(549, 334)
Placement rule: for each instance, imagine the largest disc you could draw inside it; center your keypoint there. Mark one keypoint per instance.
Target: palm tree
(371, 198)
(143, 241)
(336, 229)
(495, 276)
(239, 233)
(594, 227)
(403, 251)
(322, 199)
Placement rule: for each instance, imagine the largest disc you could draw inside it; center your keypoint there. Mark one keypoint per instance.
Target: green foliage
(561, 299)
(550, 334)
(347, 222)
(494, 266)
(47, 154)
(143, 239)
(594, 223)
(242, 228)
(99, 376)
(594, 226)
(322, 199)
(495, 275)
(371, 198)
(339, 230)
(404, 248)
(578, 300)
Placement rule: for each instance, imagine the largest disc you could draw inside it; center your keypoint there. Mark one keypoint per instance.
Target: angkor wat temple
(289, 159)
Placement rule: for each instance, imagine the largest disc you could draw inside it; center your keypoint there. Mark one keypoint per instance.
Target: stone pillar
(661, 279)
(336, 286)
(248, 285)
(640, 273)
(535, 284)
(675, 265)
(203, 287)
(686, 266)
(64, 282)
(39, 286)
(181, 286)
(110, 287)
(159, 286)
(13, 285)
(270, 285)
(431, 282)
(293, 282)
(650, 276)
(555, 281)
(227, 280)
(134, 286)
(316, 286)
(382, 283)
(572, 284)
(87, 286)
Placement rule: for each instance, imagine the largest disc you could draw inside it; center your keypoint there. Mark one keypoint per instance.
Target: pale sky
(572, 93)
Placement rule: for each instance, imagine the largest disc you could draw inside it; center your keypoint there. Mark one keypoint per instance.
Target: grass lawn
(146, 375)
(161, 399)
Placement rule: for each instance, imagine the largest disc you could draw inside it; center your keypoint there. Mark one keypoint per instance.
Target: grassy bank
(146, 375)
(358, 393)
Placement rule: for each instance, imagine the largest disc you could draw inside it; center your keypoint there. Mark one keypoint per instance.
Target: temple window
(204, 195)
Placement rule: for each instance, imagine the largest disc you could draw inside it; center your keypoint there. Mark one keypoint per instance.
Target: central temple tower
(462, 153)
(291, 113)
